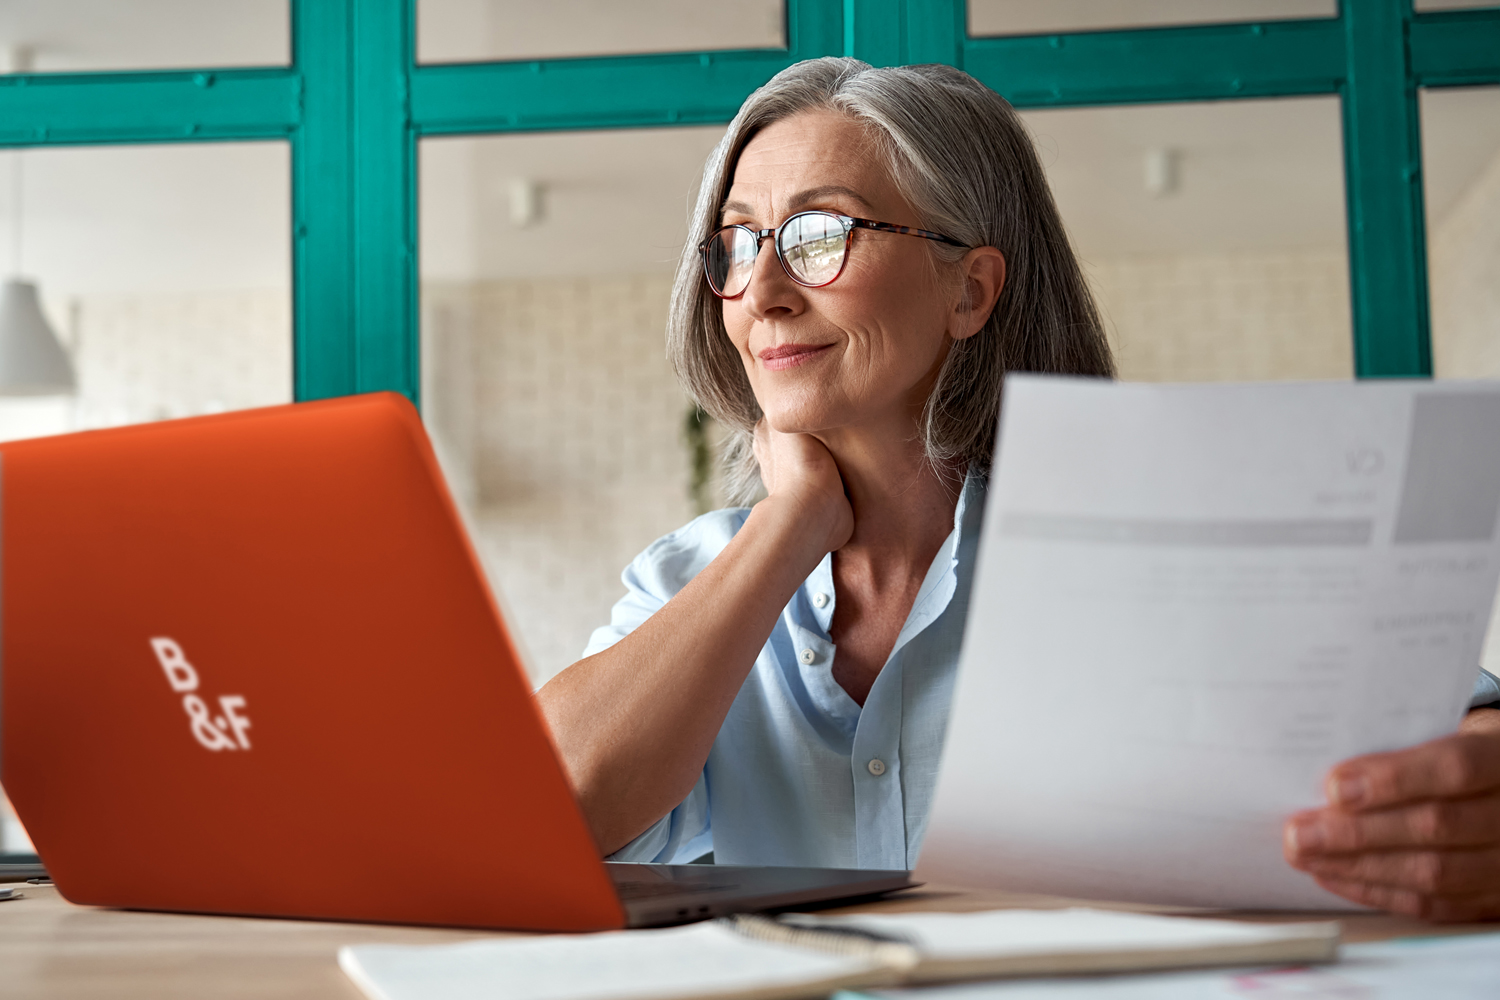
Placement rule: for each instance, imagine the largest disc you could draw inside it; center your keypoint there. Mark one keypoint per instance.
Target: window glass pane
(1461, 173)
(164, 273)
(1030, 17)
(480, 30)
(164, 270)
(63, 35)
(547, 264)
(1213, 234)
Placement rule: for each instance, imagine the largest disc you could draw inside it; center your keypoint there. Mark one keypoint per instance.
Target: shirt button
(808, 656)
(876, 766)
(820, 600)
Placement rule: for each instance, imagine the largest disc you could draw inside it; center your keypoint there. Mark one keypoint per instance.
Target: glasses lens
(728, 260)
(813, 247)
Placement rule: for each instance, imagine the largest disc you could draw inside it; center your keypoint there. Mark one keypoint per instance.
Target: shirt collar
(941, 581)
(938, 585)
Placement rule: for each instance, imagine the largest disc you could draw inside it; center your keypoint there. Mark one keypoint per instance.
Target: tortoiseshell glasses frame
(813, 248)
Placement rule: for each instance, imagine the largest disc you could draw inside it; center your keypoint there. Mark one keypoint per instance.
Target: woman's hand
(800, 472)
(1415, 831)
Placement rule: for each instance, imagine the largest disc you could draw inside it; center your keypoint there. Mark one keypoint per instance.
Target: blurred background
(1214, 235)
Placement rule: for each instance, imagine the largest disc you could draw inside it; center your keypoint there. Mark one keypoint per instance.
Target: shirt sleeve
(1486, 689)
(682, 835)
(651, 580)
(656, 575)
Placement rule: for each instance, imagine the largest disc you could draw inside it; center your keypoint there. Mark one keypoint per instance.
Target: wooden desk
(50, 948)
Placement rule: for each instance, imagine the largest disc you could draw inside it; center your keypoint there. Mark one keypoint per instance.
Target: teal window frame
(354, 102)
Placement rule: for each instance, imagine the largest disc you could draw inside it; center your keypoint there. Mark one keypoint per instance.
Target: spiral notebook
(797, 956)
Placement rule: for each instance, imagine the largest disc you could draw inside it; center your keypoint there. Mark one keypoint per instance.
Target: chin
(802, 419)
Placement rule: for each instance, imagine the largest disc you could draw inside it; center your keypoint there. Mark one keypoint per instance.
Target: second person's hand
(1415, 831)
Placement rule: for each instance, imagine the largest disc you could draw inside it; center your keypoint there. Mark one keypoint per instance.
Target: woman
(872, 250)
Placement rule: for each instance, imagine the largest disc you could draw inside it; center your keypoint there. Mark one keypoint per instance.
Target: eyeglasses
(813, 248)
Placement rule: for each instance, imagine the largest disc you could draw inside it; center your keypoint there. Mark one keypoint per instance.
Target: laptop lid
(249, 664)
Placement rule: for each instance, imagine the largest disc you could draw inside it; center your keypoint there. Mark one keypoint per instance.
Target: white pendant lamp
(33, 361)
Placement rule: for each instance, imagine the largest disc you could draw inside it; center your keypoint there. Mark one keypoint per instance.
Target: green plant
(700, 457)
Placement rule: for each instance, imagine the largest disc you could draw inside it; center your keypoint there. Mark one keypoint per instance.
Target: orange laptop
(249, 664)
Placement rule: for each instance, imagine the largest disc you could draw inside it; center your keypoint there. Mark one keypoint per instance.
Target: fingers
(1447, 873)
(1472, 822)
(794, 461)
(801, 476)
(1415, 831)
(1480, 906)
(1460, 765)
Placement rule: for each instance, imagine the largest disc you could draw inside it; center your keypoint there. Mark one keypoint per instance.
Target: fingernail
(1350, 790)
(1306, 836)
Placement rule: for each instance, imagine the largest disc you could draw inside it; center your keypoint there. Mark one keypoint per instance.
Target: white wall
(469, 30)
(1465, 282)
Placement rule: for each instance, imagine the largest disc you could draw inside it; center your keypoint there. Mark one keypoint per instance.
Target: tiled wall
(180, 354)
(1227, 317)
(162, 355)
(577, 450)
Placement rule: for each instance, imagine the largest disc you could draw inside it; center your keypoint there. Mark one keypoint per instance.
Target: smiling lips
(787, 356)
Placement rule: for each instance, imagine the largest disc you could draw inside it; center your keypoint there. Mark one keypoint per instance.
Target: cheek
(895, 281)
(899, 315)
(737, 324)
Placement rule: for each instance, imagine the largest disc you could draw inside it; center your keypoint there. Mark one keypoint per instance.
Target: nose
(771, 293)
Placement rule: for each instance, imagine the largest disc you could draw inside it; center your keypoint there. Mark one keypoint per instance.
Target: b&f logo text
(215, 732)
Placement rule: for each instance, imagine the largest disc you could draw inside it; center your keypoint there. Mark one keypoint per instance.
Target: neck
(903, 506)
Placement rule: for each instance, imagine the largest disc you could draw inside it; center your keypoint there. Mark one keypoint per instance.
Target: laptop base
(657, 895)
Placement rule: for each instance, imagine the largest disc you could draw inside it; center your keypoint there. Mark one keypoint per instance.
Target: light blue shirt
(799, 773)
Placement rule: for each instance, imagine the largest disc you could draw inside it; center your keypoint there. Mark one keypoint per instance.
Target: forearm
(634, 723)
(1481, 720)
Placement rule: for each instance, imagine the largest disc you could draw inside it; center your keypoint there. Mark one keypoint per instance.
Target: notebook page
(702, 960)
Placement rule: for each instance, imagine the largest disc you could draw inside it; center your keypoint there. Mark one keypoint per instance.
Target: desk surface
(51, 948)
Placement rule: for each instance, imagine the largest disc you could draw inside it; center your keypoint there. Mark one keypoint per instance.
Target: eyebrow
(799, 200)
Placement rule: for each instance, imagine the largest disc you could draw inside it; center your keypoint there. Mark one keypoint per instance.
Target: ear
(983, 270)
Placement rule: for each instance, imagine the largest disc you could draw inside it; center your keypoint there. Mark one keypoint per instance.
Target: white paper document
(1190, 602)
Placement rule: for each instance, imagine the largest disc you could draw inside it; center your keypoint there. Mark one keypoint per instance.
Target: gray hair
(960, 155)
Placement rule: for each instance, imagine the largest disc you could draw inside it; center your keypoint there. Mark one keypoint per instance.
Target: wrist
(802, 528)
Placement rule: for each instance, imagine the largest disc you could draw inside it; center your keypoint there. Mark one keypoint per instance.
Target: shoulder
(656, 575)
(668, 563)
